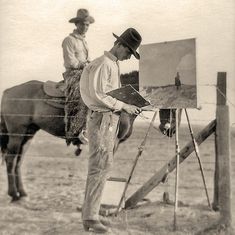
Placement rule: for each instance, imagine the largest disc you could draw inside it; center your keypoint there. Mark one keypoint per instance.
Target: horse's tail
(4, 138)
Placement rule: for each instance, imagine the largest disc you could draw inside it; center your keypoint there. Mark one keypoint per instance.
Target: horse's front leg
(11, 164)
(23, 147)
(18, 177)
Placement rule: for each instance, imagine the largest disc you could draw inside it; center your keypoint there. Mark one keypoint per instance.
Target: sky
(160, 62)
(32, 32)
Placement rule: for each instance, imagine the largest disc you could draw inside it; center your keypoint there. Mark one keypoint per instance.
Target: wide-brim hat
(132, 39)
(82, 15)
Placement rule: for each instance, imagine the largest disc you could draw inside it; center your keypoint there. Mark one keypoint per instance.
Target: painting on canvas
(168, 74)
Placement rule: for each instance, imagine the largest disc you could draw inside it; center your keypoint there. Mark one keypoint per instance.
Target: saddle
(55, 91)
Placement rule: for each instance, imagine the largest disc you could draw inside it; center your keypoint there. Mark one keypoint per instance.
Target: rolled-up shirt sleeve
(98, 88)
(70, 61)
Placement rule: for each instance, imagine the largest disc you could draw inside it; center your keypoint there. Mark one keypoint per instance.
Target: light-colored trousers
(102, 133)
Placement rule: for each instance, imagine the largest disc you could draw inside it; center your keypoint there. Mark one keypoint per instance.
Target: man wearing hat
(75, 49)
(98, 78)
(76, 57)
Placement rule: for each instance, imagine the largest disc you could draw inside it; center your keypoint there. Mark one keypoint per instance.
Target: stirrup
(84, 140)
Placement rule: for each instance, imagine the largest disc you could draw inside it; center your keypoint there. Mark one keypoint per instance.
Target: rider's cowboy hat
(82, 15)
(132, 39)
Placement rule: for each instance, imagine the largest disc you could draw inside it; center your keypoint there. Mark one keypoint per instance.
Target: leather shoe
(94, 225)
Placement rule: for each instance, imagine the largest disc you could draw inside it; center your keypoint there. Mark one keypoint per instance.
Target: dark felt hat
(82, 15)
(132, 39)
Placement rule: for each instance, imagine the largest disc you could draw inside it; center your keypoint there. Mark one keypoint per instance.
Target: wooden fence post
(222, 183)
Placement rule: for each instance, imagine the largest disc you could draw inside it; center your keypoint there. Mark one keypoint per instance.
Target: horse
(25, 110)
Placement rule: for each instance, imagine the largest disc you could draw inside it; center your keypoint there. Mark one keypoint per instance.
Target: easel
(196, 149)
(177, 162)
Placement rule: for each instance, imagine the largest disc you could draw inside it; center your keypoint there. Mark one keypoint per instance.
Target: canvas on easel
(168, 73)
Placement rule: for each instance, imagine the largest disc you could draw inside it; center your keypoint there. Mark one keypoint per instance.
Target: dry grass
(55, 180)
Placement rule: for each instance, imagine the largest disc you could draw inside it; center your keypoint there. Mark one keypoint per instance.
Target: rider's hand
(132, 109)
(82, 65)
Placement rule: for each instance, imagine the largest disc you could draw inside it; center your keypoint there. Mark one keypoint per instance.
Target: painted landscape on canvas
(169, 96)
(168, 74)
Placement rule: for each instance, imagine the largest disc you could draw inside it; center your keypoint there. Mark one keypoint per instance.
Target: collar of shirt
(77, 35)
(111, 56)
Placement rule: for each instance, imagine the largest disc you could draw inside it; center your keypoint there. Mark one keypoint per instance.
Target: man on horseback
(99, 77)
(76, 57)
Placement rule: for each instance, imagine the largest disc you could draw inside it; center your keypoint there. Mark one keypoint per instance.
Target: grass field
(55, 180)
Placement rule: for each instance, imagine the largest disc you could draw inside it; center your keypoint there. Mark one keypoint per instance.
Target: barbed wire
(225, 97)
(142, 116)
(62, 100)
(30, 115)
(72, 156)
(145, 118)
(207, 103)
(206, 84)
(62, 116)
(71, 116)
(70, 176)
(54, 116)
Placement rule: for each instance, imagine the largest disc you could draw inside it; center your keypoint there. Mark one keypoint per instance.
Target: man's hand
(82, 65)
(132, 109)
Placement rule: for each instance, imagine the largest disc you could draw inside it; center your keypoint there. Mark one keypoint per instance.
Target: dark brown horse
(24, 111)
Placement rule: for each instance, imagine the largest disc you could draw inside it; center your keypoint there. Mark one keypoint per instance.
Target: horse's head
(168, 121)
(131, 78)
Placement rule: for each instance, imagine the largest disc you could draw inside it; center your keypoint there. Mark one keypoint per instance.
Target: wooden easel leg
(177, 148)
(196, 149)
(166, 196)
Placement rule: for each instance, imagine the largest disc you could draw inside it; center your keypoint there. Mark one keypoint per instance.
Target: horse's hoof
(78, 152)
(23, 194)
(15, 198)
(24, 200)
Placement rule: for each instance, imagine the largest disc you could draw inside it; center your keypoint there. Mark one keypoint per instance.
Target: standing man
(76, 57)
(177, 81)
(99, 77)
